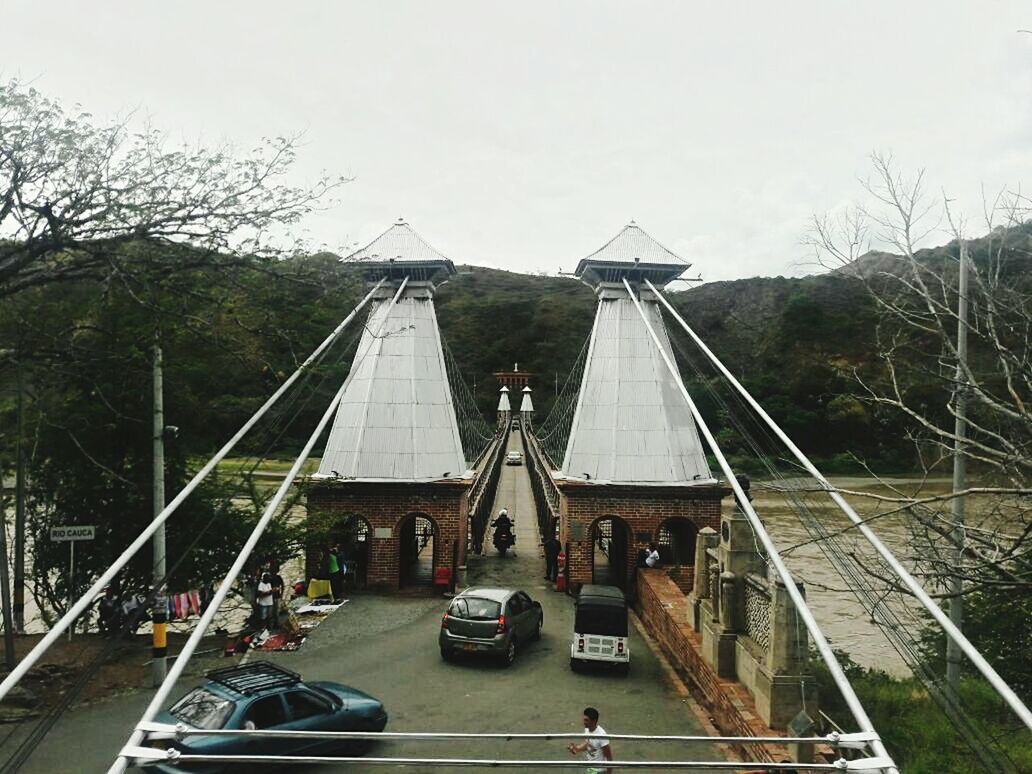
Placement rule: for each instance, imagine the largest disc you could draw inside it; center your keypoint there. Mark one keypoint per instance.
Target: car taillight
(580, 644)
(619, 646)
(444, 621)
(501, 624)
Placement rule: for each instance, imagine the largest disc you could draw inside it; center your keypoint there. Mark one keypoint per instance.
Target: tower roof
(632, 253)
(400, 250)
(396, 420)
(632, 424)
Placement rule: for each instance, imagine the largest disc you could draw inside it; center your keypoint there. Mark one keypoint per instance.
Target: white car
(514, 458)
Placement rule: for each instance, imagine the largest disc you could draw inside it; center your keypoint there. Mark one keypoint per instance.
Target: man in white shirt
(264, 599)
(596, 746)
(652, 558)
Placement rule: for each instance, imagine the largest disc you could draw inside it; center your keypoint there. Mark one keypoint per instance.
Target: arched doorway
(354, 536)
(676, 542)
(610, 539)
(417, 536)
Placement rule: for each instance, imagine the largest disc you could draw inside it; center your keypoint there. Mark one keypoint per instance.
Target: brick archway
(675, 539)
(611, 543)
(354, 534)
(418, 538)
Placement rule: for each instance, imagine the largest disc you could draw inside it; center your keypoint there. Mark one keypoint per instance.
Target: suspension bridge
(624, 459)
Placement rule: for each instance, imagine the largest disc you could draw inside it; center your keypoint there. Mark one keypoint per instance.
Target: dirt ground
(89, 667)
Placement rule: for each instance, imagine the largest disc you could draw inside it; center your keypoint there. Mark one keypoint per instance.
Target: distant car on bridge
(261, 695)
(514, 458)
(490, 621)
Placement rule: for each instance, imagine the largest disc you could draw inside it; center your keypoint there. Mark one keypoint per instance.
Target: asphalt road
(387, 646)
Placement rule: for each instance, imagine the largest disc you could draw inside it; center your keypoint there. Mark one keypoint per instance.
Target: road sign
(70, 535)
(74, 532)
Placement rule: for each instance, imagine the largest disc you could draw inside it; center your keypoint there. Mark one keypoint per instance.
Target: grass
(268, 465)
(917, 733)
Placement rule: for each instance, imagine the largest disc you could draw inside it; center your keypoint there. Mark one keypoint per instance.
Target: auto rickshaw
(600, 629)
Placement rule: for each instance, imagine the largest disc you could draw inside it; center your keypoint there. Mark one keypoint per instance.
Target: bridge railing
(546, 493)
(481, 494)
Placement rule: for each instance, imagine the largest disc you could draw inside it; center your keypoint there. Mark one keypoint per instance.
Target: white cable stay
(143, 756)
(160, 731)
(821, 642)
(108, 575)
(955, 634)
(162, 693)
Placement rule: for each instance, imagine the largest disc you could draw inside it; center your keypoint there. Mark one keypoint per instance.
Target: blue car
(262, 695)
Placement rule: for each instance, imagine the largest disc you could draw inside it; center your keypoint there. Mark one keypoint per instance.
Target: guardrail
(481, 495)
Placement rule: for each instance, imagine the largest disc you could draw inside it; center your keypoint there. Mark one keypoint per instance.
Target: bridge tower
(392, 486)
(634, 470)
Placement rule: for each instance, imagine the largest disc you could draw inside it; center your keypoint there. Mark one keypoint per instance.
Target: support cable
(821, 642)
(147, 755)
(983, 666)
(141, 540)
(888, 609)
(162, 693)
(88, 669)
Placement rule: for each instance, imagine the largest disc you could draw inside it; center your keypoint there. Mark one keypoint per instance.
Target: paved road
(388, 647)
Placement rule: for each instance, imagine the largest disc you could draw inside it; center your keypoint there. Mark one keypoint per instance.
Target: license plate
(470, 646)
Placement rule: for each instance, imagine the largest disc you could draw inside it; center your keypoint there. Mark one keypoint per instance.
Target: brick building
(393, 483)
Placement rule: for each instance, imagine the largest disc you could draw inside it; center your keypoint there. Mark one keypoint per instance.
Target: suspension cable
(888, 610)
(837, 674)
(86, 599)
(990, 674)
(163, 691)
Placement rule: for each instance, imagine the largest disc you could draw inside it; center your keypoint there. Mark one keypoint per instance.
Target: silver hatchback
(490, 621)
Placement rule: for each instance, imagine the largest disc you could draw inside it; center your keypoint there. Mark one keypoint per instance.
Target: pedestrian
(552, 548)
(264, 599)
(335, 564)
(595, 746)
(277, 592)
(652, 559)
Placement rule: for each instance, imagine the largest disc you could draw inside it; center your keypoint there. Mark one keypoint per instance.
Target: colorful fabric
(195, 602)
(318, 587)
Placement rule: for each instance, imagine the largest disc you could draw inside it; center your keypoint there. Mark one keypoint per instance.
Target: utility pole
(557, 384)
(953, 653)
(159, 610)
(5, 587)
(19, 509)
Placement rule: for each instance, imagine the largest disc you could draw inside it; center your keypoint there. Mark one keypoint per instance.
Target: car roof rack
(251, 678)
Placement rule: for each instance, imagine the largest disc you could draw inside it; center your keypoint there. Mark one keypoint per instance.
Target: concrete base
(718, 648)
(778, 698)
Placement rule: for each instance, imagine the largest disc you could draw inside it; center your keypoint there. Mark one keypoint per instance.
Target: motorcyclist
(503, 529)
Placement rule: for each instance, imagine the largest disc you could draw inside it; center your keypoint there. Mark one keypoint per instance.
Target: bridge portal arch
(418, 534)
(354, 535)
(675, 540)
(611, 540)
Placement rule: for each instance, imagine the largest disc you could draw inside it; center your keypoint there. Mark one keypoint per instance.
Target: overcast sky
(525, 135)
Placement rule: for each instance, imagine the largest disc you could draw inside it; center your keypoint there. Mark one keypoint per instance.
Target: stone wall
(386, 506)
(663, 610)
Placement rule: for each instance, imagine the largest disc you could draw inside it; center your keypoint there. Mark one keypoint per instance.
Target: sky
(523, 136)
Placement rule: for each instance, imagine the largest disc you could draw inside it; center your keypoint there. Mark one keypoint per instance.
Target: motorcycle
(503, 539)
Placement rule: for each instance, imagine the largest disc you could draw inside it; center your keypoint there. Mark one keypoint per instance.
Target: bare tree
(919, 375)
(74, 193)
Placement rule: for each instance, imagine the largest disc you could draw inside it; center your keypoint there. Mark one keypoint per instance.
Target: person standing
(264, 600)
(335, 568)
(595, 746)
(277, 592)
(552, 548)
(652, 558)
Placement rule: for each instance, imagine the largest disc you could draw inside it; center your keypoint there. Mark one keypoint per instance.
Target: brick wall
(388, 505)
(662, 608)
(641, 509)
